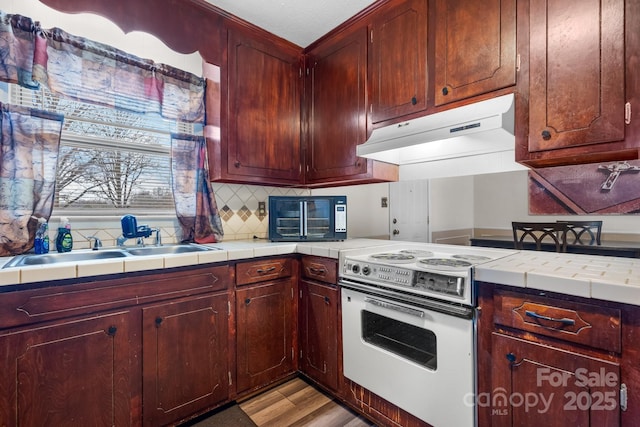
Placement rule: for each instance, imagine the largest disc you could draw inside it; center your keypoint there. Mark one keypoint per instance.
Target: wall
(502, 197)
(365, 215)
(451, 209)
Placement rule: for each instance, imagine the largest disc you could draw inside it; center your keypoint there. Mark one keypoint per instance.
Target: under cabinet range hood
(480, 128)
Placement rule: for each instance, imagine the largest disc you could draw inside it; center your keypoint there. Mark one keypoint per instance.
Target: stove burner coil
(417, 253)
(445, 263)
(393, 257)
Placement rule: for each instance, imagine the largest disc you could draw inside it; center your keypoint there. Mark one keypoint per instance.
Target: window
(109, 159)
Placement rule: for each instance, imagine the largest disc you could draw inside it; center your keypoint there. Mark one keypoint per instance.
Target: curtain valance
(81, 69)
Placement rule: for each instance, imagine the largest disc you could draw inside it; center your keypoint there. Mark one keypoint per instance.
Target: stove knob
(355, 268)
(366, 270)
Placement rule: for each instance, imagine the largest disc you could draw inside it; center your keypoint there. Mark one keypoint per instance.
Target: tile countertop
(229, 251)
(607, 278)
(601, 277)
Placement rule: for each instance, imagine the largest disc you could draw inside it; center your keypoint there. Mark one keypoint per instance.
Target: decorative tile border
(238, 206)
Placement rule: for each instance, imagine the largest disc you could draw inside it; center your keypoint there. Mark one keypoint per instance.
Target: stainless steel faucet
(158, 241)
(97, 243)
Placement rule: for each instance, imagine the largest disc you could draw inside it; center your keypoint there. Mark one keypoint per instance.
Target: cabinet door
(184, 356)
(263, 141)
(319, 332)
(265, 333)
(576, 79)
(536, 384)
(398, 60)
(68, 373)
(337, 110)
(475, 47)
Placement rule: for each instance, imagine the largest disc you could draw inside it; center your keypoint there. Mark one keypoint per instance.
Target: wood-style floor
(296, 404)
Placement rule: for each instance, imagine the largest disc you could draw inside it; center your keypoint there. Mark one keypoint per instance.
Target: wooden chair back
(540, 233)
(583, 232)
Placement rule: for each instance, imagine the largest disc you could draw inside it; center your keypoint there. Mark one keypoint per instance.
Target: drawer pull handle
(317, 270)
(266, 270)
(564, 320)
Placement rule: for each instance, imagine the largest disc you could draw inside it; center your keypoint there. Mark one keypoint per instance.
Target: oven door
(418, 359)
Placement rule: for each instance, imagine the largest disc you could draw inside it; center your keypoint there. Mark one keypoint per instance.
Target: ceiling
(300, 21)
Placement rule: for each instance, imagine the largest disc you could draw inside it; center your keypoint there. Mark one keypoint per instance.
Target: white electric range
(408, 322)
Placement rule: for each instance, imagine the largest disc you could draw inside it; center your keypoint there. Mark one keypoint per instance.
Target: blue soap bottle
(41, 244)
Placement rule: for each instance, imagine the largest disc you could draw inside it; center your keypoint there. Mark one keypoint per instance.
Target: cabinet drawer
(581, 323)
(37, 305)
(260, 271)
(319, 268)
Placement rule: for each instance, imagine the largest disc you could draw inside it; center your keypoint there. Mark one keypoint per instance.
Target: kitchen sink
(55, 258)
(168, 249)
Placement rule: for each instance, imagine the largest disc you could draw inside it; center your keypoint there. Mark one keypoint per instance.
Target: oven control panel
(379, 273)
(419, 282)
(440, 283)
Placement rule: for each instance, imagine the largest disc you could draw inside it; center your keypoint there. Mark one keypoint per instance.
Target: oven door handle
(395, 307)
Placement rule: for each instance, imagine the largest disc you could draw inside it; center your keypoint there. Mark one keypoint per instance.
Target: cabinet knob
(546, 135)
(414, 100)
(511, 357)
(327, 300)
(445, 91)
(236, 164)
(247, 301)
(112, 330)
(158, 321)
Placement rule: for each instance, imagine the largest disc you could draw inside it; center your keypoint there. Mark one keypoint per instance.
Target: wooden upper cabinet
(263, 110)
(398, 60)
(573, 76)
(475, 47)
(337, 113)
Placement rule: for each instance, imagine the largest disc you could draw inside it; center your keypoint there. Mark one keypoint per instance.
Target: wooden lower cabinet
(555, 360)
(538, 384)
(265, 333)
(68, 373)
(184, 357)
(319, 350)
